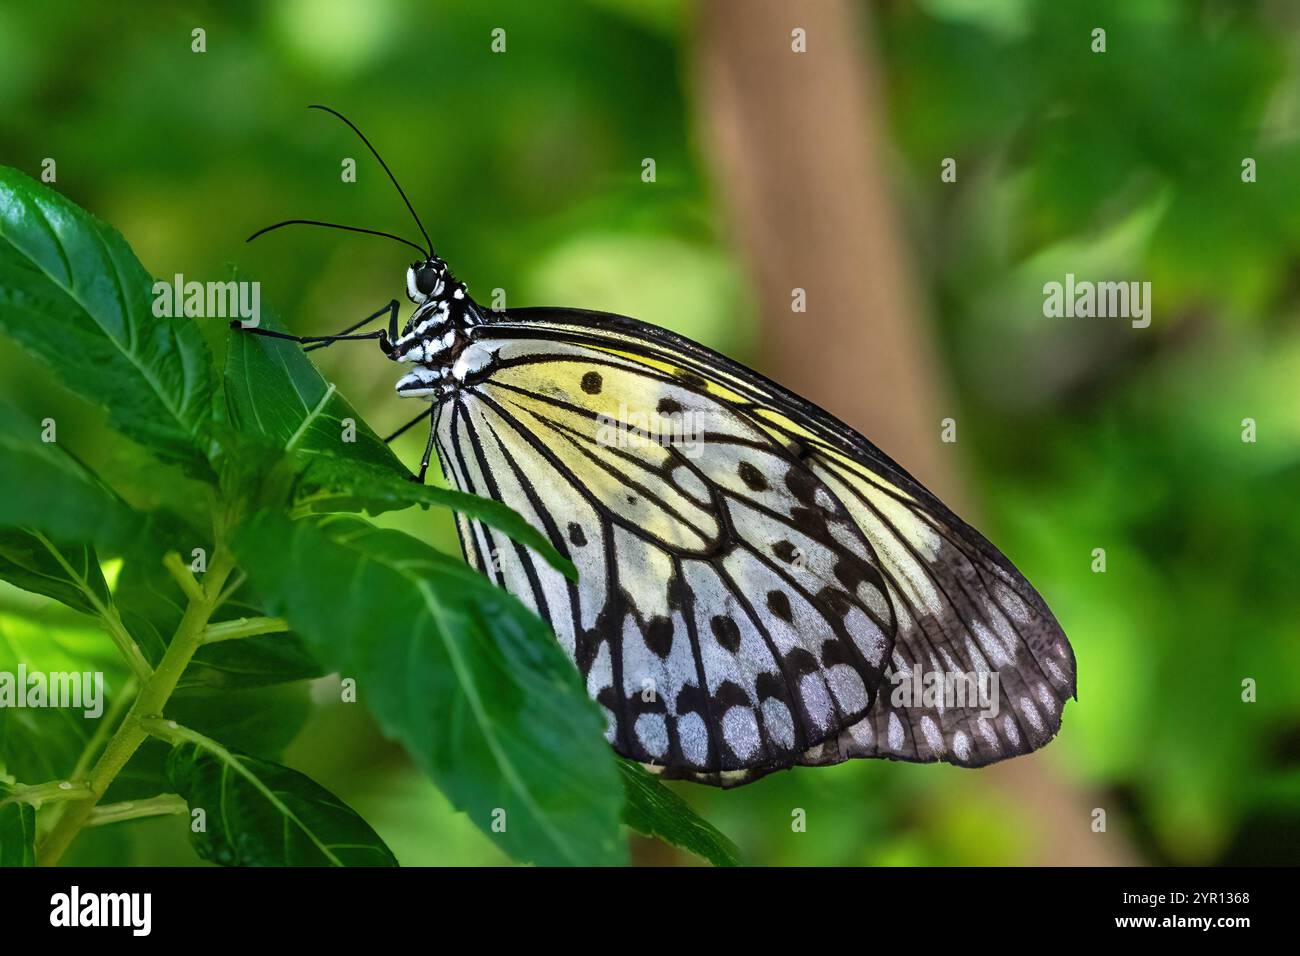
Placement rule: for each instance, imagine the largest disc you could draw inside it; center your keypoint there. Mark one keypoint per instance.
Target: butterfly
(759, 586)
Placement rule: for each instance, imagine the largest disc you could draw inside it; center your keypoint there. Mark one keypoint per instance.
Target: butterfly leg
(428, 448)
(385, 336)
(411, 424)
(391, 309)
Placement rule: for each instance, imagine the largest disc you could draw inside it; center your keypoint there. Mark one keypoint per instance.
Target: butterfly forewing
(756, 581)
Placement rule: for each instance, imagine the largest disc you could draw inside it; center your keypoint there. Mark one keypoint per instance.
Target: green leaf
(43, 743)
(274, 392)
(259, 661)
(43, 487)
(151, 604)
(656, 811)
(262, 814)
(17, 831)
(73, 294)
(332, 485)
(261, 721)
(70, 574)
(463, 675)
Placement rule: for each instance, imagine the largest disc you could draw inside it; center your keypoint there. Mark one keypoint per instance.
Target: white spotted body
(437, 339)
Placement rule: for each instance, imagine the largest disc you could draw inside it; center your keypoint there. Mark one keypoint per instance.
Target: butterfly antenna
(335, 225)
(374, 152)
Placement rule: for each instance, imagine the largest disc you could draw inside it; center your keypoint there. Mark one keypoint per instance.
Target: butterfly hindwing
(751, 571)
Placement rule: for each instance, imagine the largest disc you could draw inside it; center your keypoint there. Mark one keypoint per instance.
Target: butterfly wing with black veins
(759, 586)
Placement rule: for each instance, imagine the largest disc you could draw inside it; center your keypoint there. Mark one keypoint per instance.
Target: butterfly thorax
(436, 340)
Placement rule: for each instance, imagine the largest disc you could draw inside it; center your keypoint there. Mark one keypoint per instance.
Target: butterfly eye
(425, 280)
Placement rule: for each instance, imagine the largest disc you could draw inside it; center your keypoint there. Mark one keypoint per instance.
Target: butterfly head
(436, 337)
(428, 279)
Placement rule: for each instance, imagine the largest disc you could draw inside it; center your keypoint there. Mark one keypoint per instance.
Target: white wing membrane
(759, 587)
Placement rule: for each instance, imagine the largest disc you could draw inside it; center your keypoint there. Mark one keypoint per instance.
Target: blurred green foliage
(1081, 434)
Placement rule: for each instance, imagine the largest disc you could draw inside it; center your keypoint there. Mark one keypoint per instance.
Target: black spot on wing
(833, 602)
(803, 485)
(785, 550)
(659, 636)
(731, 694)
(801, 661)
(779, 604)
(752, 477)
(726, 632)
(771, 685)
(835, 652)
(812, 522)
(691, 700)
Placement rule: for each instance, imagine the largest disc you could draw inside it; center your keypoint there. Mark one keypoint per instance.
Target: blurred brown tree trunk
(799, 144)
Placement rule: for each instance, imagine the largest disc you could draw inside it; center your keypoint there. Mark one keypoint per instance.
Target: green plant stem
(154, 694)
(105, 728)
(164, 804)
(174, 734)
(243, 627)
(232, 588)
(183, 576)
(126, 644)
(39, 794)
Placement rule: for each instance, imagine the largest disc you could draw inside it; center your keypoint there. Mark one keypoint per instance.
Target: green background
(1076, 434)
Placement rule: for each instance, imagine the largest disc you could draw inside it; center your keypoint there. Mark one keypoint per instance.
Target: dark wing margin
(980, 669)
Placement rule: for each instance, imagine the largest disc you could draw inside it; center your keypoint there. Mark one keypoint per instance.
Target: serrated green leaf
(259, 661)
(44, 743)
(653, 809)
(44, 487)
(261, 721)
(68, 573)
(262, 814)
(333, 485)
(17, 831)
(73, 294)
(274, 392)
(464, 676)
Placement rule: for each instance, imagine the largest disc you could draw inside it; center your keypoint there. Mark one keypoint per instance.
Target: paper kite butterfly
(778, 583)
